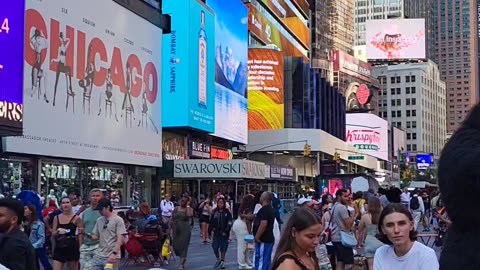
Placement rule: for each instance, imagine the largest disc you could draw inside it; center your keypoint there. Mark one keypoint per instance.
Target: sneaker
(217, 264)
(222, 265)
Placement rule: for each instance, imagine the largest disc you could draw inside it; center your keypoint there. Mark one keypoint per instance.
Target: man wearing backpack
(417, 208)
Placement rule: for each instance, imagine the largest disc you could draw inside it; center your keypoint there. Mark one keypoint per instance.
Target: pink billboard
(395, 39)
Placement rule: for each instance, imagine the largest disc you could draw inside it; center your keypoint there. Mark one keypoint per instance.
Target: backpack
(414, 203)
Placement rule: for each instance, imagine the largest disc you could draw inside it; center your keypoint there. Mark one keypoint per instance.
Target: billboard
(368, 133)
(424, 161)
(91, 84)
(188, 78)
(11, 67)
(395, 39)
(345, 63)
(263, 26)
(231, 53)
(265, 89)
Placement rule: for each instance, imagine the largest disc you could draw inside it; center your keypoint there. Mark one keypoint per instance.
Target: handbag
(372, 244)
(348, 239)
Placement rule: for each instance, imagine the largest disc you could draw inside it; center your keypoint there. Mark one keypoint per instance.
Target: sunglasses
(106, 223)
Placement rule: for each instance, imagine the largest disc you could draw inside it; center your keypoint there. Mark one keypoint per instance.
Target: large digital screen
(395, 39)
(368, 133)
(91, 83)
(11, 65)
(424, 161)
(265, 89)
(231, 55)
(189, 66)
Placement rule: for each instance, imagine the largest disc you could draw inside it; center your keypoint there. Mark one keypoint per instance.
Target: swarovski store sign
(198, 149)
(235, 169)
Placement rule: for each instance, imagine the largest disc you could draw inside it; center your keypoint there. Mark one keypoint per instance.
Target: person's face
(104, 211)
(184, 202)
(95, 197)
(74, 199)
(397, 228)
(308, 239)
(167, 197)
(344, 198)
(329, 199)
(221, 204)
(27, 211)
(7, 219)
(66, 204)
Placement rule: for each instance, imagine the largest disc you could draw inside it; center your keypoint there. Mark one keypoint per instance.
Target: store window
(16, 175)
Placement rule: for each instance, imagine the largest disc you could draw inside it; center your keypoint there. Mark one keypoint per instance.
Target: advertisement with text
(368, 133)
(265, 89)
(91, 83)
(11, 67)
(343, 62)
(188, 78)
(260, 24)
(396, 39)
(231, 52)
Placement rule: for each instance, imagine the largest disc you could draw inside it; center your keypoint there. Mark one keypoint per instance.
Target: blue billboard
(424, 161)
(231, 55)
(188, 67)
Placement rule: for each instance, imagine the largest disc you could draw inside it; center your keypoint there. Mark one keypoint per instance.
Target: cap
(302, 201)
(103, 203)
(313, 202)
(152, 217)
(15, 206)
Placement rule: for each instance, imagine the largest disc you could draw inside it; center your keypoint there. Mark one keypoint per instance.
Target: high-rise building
(374, 10)
(412, 97)
(320, 29)
(422, 9)
(456, 48)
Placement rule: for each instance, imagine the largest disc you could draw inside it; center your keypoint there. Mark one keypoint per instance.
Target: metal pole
(304, 170)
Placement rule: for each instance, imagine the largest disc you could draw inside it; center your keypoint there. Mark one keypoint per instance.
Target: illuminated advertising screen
(91, 83)
(368, 133)
(11, 67)
(343, 62)
(263, 26)
(231, 55)
(424, 161)
(188, 79)
(265, 89)
(290, 18)
(395, 39)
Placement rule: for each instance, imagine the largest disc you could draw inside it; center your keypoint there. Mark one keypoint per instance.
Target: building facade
(456, 48)
(374, 10)
(413, 97)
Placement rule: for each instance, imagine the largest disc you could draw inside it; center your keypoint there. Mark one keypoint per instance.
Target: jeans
(41, 254)
(263, 255)
(219, 243)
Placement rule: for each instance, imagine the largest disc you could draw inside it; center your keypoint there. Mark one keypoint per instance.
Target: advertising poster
(424, 161)
(260, 24)
(231, 52)
(368, 133)
(11, 67)
(265, 89)
(188, 79)
(396, 39)
(91, 83)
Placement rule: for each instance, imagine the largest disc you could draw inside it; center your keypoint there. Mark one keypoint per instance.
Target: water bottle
(108, 266)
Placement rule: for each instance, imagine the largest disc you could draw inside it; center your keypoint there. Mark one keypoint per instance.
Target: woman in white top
(402, 251)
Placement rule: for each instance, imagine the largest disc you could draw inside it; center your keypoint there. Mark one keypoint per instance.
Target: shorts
(203, 219)
(343, 254)
(220, 242)
(70, 254)
(86, 256)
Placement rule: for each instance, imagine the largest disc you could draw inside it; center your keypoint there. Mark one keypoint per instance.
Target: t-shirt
(265, 213)
(339, 214)
(108, 230)
(89, 218)
(420, 257)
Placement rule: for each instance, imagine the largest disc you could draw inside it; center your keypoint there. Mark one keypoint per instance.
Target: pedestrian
(166, 209)
(402, 251)
(342, 220)
(182, 230)
(109, 230)
(220, 226)
(243, 227)
(296, 249)
(142, 217)
(417, 208)
(263, 232)
(205, 209)
(89, 218)
(35, 230)
(64, 230)
(158, 229)
(368, 229)
(405, 197)
(16, 250)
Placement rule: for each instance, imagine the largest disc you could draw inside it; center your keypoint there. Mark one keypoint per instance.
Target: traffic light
(336, 156)
(306, 149)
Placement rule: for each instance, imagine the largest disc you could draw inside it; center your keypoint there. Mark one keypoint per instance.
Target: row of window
(412, 113)
(398, 91)
(409, 101)
(410, 124)
(398, 79)
(411, 147)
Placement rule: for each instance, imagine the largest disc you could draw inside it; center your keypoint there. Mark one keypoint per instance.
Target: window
(409, 124)
(399, 103)
(392, 91)
(399, 124)
(409, 136)
(413, 90)
(399, 91)
(399, 79)
(399, 113)
(414, 147)
(379, 93)
(392, 80)
(394, 114)
(384, 114)
(407, 78)
(408, 113)
(393, 102)
(408, 101)
(414, 124)
(414, 101)
(409, 147)
(414, 112)
(413, 78)
(414, 136)
(407, 90)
